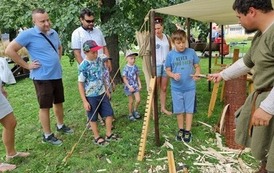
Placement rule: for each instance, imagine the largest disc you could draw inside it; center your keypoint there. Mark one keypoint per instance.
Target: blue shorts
(128, 93)
(184, 102)
(161, 71)
(104, 107)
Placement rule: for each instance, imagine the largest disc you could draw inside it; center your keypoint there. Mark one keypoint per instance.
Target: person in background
(8, 121)
(255, 123)
(182, 66)
(85, 32)
(163, 46)
(44, 47)
(132, 85)
(94, 93)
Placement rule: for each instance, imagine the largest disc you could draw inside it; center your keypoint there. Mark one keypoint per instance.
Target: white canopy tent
(218, 11)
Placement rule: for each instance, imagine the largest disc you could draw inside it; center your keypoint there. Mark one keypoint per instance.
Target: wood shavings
(217, 158)
(101, 170)
(108, 161)
(168, 145)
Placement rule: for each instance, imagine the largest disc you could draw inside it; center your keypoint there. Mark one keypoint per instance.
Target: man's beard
(90, 28)
(249, 31)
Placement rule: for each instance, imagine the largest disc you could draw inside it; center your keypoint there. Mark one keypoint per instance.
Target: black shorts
(49, 92)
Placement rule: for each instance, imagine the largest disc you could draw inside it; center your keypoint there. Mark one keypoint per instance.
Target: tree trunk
(112, 41)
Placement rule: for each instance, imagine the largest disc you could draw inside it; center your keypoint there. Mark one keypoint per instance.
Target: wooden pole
(210, 52)
(153, 55)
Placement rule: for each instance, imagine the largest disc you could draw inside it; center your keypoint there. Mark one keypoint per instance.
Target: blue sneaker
(180, 135)
(136, 115)
(131, 117)
(65, 129)
(52, 140)
(187, 137)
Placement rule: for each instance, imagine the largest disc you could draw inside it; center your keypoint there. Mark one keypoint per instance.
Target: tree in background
(118, 19)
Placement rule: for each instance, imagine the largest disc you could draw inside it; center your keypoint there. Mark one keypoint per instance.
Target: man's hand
(216, 77)
(33, 65)
(261, 118)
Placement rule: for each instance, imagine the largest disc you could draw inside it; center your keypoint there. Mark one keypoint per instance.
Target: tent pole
(222, 44)
(188, 30)
(210, 54)
(153, 55)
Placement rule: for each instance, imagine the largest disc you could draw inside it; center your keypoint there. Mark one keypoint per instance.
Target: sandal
(18, 155)
(6, 167)
(112, 137)
(101, 143)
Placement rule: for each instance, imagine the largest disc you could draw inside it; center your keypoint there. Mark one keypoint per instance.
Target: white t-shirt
(80, 36)
(162, 48)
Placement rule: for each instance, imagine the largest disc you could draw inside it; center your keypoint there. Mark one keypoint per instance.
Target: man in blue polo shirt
(44, 47)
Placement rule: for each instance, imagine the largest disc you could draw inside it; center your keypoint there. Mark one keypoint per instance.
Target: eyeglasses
(89, 21)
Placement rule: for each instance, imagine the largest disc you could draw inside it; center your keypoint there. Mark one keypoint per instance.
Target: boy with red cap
(94, 93)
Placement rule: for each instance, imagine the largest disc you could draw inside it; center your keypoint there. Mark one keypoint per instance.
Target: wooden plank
(213, 99)
(145, 127)
(171, 162)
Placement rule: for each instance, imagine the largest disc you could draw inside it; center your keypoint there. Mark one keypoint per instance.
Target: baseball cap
(129, 53)
(91, 45)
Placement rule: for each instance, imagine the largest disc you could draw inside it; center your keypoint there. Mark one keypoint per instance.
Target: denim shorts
(161, 71)
(184, 102)
(99, 104)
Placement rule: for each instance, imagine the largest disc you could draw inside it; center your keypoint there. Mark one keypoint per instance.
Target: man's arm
(77, 55)
(106, 52)
(12, 52)
(60, 51)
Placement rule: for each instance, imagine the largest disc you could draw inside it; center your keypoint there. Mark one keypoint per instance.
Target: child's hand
(87, 106)
(113, 86)
(131, 89)
(108, 94)
(196, 76)
(176, 76)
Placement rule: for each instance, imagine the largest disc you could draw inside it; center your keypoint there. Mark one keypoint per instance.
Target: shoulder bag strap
(49, 42)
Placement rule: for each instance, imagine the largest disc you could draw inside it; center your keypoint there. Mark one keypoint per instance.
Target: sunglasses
(89, 21)
(158, 20)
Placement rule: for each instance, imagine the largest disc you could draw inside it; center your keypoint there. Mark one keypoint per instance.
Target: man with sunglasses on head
(85, 32)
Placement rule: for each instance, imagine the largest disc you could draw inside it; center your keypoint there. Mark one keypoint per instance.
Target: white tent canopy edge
(217, 11)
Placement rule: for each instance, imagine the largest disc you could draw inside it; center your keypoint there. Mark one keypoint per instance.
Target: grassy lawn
(118, 157)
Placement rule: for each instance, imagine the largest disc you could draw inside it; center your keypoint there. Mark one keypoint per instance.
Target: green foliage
(127, 16)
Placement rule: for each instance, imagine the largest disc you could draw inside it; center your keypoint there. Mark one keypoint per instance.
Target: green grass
(122, 155)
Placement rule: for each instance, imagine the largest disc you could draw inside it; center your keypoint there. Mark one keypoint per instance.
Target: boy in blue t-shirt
(93, 91)
(182, 66)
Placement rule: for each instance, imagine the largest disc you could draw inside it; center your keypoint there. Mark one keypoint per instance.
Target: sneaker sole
(52, 143)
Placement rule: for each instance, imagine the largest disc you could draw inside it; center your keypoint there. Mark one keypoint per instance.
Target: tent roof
(218, 11)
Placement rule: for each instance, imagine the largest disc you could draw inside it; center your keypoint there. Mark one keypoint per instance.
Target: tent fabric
(218, 11)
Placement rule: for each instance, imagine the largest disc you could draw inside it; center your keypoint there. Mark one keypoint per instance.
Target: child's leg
(137, 100)
(189, 118)
(130, 103)
(180, 121)
(94, 128)
(108, 125)
(181, 131)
